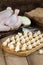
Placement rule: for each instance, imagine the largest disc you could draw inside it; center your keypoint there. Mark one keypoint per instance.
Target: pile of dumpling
(24, 41)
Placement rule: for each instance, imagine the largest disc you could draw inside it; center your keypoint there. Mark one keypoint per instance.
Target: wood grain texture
(2, 61)
(35, 59)
(15, 60)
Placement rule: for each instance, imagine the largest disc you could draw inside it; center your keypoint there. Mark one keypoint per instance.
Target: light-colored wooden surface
(36, 58)
(15, 60)
(2, 60)
(9, 59)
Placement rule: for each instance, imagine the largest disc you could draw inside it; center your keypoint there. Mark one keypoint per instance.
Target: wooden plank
(35, 59)
(15, 60)
(2, 61)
